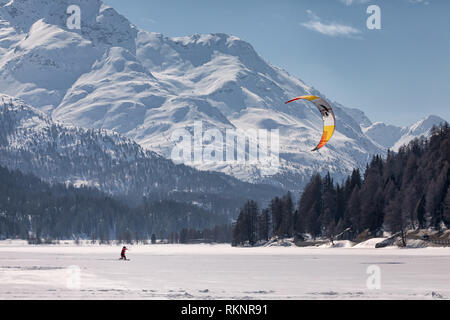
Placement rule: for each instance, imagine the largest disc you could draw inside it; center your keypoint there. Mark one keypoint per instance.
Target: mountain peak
(393, 137)
(425, 124)
(100, 23)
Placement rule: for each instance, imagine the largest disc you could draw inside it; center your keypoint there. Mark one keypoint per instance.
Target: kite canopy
(329, 120)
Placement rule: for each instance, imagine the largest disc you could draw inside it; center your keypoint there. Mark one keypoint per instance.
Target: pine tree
(435, 195)
(251, 209)
(328, 215)
(420, 211)
(264, 225)
(446, 215)
(246, 228)
(395, 218)
(276, 209)
(310, 206)
(371, 197)
(353, 211)
(287, 216)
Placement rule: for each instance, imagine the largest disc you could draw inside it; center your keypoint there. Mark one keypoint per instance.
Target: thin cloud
(350, 2)
(149, 20)
(425, 2)
(331, 29)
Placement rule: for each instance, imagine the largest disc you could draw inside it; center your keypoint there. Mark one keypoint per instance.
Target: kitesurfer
(122, 254)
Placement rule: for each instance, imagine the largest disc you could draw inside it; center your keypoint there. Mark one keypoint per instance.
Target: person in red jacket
(122, 254)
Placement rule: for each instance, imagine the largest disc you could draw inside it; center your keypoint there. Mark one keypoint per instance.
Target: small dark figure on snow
(122, 254)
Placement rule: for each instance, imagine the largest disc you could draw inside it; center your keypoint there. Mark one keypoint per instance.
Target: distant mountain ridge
(393, 137)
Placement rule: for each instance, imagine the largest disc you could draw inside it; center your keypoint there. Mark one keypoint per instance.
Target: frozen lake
(221, 272)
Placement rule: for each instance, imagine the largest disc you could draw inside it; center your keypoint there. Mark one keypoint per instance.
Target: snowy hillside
(110, 75)
(31, 142)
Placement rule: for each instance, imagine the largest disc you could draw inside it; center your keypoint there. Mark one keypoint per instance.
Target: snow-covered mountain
(393, 137)
(110, 75)
(31, 142)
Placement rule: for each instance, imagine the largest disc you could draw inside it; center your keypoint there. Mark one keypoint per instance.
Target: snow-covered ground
(220, 272)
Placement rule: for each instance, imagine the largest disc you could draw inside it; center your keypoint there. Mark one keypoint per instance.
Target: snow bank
(342, 244)
(10, 243)
(280, 243)
(337, 244)
(369, 243)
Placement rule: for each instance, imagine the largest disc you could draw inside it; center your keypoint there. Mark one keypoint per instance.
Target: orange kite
(329, 120)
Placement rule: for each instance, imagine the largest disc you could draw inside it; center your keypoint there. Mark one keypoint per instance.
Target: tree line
(409, 189)
(217, 234)
(33, 209)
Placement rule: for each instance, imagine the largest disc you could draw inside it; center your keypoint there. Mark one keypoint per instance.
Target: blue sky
(396, 75)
